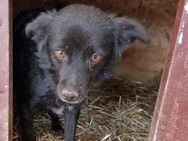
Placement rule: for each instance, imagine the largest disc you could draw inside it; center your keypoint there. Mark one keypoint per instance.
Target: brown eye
(60, 54)
(95, 58)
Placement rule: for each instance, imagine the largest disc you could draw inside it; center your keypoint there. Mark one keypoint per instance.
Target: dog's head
(81, 45)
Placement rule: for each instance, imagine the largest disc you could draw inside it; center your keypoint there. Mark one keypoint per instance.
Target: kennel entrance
(169, 120)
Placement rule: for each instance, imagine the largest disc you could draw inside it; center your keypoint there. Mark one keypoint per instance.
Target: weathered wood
(5, 72)
(170, 116)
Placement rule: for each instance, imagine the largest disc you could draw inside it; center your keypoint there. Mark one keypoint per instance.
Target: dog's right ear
(39, 28)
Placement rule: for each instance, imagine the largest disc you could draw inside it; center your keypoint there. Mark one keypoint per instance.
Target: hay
(120, 110)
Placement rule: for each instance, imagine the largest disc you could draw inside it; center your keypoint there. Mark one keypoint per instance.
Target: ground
(118, 110)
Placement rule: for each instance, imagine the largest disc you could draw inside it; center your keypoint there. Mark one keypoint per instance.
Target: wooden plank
(5, 72)
(170, 119)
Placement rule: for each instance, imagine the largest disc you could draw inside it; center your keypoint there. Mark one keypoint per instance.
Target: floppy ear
(38, 31)
(126, 31)
(39, 28)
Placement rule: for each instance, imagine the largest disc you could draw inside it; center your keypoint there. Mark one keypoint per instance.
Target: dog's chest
(60, 110)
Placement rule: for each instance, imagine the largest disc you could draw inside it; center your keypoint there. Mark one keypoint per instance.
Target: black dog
(59, 55)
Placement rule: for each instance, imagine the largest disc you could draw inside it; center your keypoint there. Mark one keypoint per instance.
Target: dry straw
(118, 110)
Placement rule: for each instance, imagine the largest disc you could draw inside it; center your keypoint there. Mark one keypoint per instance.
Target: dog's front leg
(27, 124)
(71, 119)
(56, 125)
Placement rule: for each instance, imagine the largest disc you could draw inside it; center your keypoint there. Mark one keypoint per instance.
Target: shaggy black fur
(59, 55)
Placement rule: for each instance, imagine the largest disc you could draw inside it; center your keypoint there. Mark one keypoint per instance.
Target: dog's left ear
(126, 31)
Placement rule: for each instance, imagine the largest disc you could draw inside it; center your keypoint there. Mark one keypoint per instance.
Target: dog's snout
(70, 95)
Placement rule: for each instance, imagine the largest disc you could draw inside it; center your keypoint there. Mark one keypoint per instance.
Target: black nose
(70, 95)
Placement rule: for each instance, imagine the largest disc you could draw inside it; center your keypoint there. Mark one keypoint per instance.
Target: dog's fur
(40, 77)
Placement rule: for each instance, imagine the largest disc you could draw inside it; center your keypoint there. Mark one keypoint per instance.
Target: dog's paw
(57, 128)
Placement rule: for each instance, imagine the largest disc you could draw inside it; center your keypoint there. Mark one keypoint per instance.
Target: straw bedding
(117, 110)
